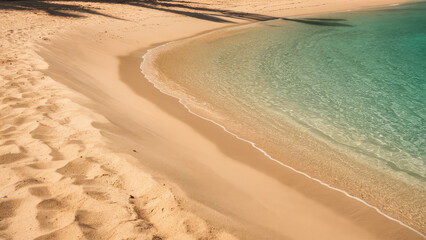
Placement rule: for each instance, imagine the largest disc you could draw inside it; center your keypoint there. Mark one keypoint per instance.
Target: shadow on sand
(74, 9)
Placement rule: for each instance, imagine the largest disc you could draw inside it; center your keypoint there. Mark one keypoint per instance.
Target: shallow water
(354, 82)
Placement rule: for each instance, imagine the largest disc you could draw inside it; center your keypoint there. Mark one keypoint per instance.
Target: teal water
(356, 80)
(361, 86)
(353, 81)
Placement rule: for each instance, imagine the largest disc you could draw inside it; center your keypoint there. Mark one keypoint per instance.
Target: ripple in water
(353, 81)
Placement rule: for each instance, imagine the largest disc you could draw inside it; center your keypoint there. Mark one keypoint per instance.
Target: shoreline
(333, 200)
(152, 158)
(253, 144)
(151, 55)
(147, 52)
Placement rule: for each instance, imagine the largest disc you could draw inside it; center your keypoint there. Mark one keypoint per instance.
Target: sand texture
(90, 150)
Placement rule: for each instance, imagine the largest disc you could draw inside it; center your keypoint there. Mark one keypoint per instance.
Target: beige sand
(90, 150)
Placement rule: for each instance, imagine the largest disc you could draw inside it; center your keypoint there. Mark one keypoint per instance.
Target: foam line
(144, 65)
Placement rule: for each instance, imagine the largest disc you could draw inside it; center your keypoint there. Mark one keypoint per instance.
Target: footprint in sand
(53, 213)
(7, 210)
(11, 157)
(41, 192)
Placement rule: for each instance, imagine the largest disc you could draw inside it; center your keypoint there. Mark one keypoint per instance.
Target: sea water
(353, 81)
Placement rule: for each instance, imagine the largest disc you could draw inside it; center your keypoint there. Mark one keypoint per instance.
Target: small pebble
(134, 150)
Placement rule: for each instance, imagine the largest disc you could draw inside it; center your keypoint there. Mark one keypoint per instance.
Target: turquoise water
(354, 80)
(360, 85)
(340, 97)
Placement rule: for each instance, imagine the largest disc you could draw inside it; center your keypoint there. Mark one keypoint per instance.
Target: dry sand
(90, 150)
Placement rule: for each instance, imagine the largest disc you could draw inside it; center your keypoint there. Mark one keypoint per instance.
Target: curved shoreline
(150, 53)
(92, 150)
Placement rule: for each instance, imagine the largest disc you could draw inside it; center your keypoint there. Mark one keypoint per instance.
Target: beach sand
(90, 149)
